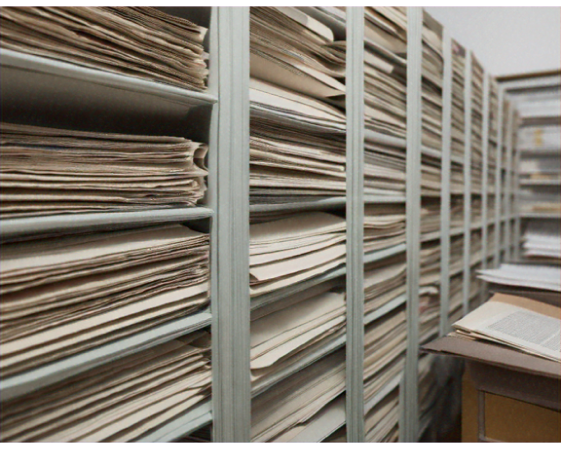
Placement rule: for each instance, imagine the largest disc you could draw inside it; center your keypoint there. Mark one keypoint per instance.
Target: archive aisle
(251, 217)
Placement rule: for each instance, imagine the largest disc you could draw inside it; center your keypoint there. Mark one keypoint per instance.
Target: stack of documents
(431, 175)
(455, 304)
(543, 200)
(476, 179)
(429, 291)
(458, 100)
(432, 71)
(476, 113)
(493, 122)
(297, 144)
(384, 280)
(284, 412)
(456, 211)
(385, 100)
(456, 253)
(428, 389)
(382, 422)
(56, 171)
(544, 169)
(139, 42)
(491, 244)
(384, 226)
(124, 400)
(475, 247)
(543, 136)
(63, 296)
(385, 70)
(475, 286)
(284, 331)
(517, 323)
(542, 241)
(540, 277)
(429, 312)
(456, 179)
(476, 211)
(290, 250)
(430, 215)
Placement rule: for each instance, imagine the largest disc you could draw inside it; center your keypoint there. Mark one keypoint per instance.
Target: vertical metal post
(508, 195)
(445, 183)
(516, 205)
(355, 223)
(231, 394)
(413, 215)
(485, 185)
(467, 183)
(498, 179)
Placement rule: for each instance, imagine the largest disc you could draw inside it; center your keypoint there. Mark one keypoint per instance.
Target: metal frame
(231, 393)
(498, 179)
(485, 182)
(446, 197)
(508, 189)
(413, 215)
(355, 224)
(467, 183)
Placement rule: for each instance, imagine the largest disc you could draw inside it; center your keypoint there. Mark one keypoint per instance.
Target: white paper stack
(455, 311)
(382, 422)
(383, 281)
(475, 247)
(139, 42)
(285, 331)
(430, 215)
(384, 361)
(542, 241)
(293, 249)
(456, 179)
(545, 200)
(56, 171)
(456, 253)
(62, 296)
(476, 211)
(457, 212)
(297, 144)
(493, 123)
(429, 289)
(458, 101)
(123, 400)
(385, 95)
(538, 169)
(541, 277)
(282, 413)
(477, 75)
(384, 226)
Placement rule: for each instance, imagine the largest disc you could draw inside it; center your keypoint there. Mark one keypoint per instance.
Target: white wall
(507, 40)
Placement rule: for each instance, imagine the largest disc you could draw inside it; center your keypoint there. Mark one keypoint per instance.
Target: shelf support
(231, 387)
(498, 180)
(485, 183)
(355, 224)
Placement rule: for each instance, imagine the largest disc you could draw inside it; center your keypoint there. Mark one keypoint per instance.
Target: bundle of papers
(540, 136)
(432, 73)
(63, 296)
(493, 121)
(385, 70)
(542, 240)
(430, 263)
(542, 200)
(54, 171)
(283, 412)
(456, 179)
(476, 112)
(429, 312)
(456, 254)
(541, 277)
(475, 247)
(475, 287)
(491, 213)
(476, 179)
(455, 303)
(431, 175)
(384, 280)
(382, 422)
(384, 168)
(123, 400)
(297, 145)
(519, 323)
(140, 42)
(384, 226)
(430, 215)
(385, 342)
(543, 168)
(476, 211)
(285, 331)
(456, 211)
(458, 103)
(491, 244)
(293, 249)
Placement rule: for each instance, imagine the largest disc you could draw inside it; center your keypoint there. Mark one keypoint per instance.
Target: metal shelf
(56, 224)
(540, 215)
(306, 204)
(382, 393)
(540, 183)
(381, 199)
(195, 418)
(51, 373)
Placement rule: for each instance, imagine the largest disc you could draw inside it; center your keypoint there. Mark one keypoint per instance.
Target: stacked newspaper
(384, 226)
(542, 241)
(493, 123)
(477, 75)
(384, 281)
(57, 171)
(458, 100)
(139, 42)
(382, 422)
(297, 144)
(63, 296)
(124, 400)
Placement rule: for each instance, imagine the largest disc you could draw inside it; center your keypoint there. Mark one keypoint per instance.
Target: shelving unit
(220, 117)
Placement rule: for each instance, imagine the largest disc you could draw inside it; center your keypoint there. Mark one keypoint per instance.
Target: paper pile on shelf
(543, 168)
(301, 325)
(475, 286)
(456, 179)
(458, 100)
(456, 254)
(476, 211)
(385, 100)
(384, 281)
(540, 277)
(63, 296)
(384, 226)
(124, 400)
(542, 241)
(455, 304)
(382, 422)
(284, 412)
(544, 200)
(493, 124)
(54, 171)
(491, 244)
(456, 212)
(428, 390)
(537, 137)
(290, 250)
(140, 42)
(429, 289)
(475, 247)
(431, 174)
(384, 353)
(297, 144)
(430, 216)
(477, 76)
